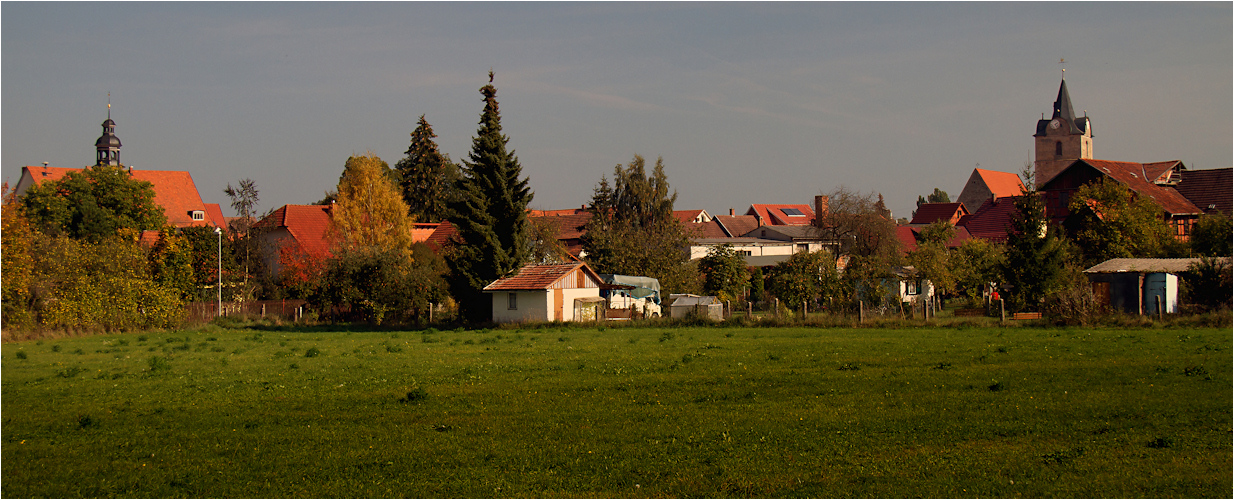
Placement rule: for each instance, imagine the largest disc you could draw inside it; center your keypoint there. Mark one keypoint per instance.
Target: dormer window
(198, 214)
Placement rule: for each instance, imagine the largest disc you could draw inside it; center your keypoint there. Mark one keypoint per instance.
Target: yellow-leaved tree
(369, 213)
(375, 274)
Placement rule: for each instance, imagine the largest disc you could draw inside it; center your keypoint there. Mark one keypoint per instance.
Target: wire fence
(282, 309)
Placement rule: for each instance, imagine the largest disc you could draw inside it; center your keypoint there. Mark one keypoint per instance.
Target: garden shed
(1135, 286)
(703, 306)
(552, 292)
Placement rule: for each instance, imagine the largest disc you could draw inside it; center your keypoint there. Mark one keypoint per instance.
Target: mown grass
(645, 411)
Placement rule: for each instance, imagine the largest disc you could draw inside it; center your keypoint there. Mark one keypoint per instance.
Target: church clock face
(1057, 122)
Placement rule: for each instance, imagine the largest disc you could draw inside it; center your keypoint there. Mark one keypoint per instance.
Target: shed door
(1101, 289)
(557, 304)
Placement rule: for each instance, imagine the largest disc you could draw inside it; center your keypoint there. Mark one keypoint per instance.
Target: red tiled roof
(929, 213)
(214, 214)
(1157, 172)
(992, 220)
(907, 237)
(307, 224)
(774, 215)
(1210, 190)
(173, 190)
(1134, 176)
(569, 226)
(543, 277)
(1000, 183)
(421, 231)
(737, 225)
(687, 216)
(705, 230)
(568, 211)
(443, 235)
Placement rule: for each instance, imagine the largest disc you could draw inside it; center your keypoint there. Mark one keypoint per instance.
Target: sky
(745, 102)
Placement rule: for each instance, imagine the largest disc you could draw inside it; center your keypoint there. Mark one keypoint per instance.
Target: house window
(911, 287)
(745, 253)
(199, 215)
(1058, 148)
(513, 301)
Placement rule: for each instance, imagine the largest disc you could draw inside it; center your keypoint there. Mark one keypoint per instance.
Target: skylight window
(793, 212)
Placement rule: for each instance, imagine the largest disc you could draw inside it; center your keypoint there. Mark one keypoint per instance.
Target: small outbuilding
(684, 305)
(1137, 286)
(550, 292)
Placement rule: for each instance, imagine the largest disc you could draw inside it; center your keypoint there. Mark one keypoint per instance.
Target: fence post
(728, 309)
(777, 306)
(263, 310)
(1002, 311)
(1160, 313)
(749, 310)
(861, 311)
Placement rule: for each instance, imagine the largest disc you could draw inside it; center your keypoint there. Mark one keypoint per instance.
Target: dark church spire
(108, 146)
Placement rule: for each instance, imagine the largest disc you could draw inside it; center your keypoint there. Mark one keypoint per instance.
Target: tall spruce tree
(1036, 255)
(489, 215)
(426, 176)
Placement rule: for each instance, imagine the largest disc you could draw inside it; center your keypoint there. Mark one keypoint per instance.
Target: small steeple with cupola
(108, 146)
(1062, 139)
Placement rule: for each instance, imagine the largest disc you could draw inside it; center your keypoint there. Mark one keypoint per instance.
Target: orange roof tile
(783, 215)
(542, 277)
(1002, 184)
(307, 224)
(173, 190)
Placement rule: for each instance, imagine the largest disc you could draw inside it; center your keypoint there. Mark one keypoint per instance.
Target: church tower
(1062, 139)
(108, 146)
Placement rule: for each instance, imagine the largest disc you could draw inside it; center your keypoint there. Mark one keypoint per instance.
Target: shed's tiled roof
(1210, 190)
(540, 277)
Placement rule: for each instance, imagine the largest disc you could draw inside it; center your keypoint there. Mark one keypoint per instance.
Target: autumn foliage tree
(372, 272)
(1107, 221)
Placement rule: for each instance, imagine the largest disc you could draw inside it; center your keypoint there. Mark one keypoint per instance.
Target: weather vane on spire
(1064, 62)
(109, 105)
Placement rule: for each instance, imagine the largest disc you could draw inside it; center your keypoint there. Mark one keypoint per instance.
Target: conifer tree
(426, 176)
(489, 215)
(1036, 255)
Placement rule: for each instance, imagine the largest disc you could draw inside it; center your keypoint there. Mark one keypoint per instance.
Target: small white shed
(552, 292)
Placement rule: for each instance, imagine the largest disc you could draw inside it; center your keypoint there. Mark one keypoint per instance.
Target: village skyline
(746, 103)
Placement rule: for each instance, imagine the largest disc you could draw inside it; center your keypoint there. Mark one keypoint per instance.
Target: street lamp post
(219, 309)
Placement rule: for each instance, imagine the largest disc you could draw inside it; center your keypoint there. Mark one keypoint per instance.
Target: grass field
(621, 412)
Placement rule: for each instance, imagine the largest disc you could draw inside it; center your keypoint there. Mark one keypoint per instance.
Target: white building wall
(532, 306)
(567, 300)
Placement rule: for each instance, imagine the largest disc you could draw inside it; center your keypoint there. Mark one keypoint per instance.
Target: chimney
(732, 213)
(820, 207)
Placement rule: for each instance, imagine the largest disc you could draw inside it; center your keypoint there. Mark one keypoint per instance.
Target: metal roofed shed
(684, 305)
(1136, 286)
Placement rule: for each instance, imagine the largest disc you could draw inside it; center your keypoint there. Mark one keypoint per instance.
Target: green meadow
(638, 411)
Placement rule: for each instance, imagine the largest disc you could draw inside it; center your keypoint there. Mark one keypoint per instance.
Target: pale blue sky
(746, 102)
